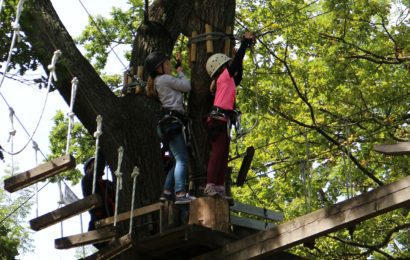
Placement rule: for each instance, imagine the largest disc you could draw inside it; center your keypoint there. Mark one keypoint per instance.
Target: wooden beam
(65, 212)
(90, 237)
(39, 173)
(113, 249)
(126, 215)
(402, 148)
(250, 223)
(252, 210)
(317, 223)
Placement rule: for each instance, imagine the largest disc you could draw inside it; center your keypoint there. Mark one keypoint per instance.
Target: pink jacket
(225, 91)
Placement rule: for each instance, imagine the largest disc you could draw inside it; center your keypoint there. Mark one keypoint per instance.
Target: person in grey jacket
(169, 91)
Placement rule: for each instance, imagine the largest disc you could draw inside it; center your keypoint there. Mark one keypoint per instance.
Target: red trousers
(218, 160)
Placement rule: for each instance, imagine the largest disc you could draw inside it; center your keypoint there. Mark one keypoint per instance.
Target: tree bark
(129, 121)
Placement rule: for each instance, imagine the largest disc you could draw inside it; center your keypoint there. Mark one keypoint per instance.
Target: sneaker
(221, 190)
(184, 199)
(166, 197)
(210, 190)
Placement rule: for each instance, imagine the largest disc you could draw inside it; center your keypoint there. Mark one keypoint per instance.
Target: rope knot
(118, 172)
(98, 133)
(52, 66)
(16, 26)
(35, 146)
(136, 172)
(71, 114)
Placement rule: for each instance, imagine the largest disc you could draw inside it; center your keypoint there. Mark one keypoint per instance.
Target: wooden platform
(90, 237)
(402, 148)
(114, 249)
(66, 212)
(39, 173)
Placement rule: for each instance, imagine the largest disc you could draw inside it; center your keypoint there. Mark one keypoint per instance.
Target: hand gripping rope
(118, 173)
(135, 173)
(97, 135)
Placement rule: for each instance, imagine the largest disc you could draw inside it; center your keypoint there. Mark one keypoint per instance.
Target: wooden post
(227, 47)
(193, 47)
(39, 173)
(209, 44)
(211, 212)
(140, 71)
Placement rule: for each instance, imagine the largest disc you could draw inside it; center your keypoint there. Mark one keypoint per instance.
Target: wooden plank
(246, 164)
(113, 249)
(250, 223)
(260, 212)
(126, 215)
(65, 212)
(318, 223)
(90, 237)
(402, 148)
(39, 173)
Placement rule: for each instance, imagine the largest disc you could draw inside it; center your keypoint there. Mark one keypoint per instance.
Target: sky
(27, 102)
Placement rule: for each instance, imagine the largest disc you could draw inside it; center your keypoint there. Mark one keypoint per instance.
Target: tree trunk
(128, 121)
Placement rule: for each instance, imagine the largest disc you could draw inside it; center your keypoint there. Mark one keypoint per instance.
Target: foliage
(81, 144)
(14, 237)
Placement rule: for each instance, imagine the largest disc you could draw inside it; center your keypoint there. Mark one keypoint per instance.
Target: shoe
(221, 190)
(184, 199)
(166, 197)
(210, 190)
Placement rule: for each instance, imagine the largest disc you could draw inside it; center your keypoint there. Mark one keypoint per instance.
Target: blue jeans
(177, 175)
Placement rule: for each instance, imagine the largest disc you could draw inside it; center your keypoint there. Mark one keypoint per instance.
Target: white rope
(51, 67)
(12, 133)
(118, 174)
(16, 28)
(135, 173)
(97, 135)
(70, 114)
(36, 149)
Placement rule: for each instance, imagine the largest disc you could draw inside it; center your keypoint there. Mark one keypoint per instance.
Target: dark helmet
(101, 162)
(153, 61)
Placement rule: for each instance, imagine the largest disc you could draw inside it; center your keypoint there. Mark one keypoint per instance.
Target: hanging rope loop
(118, 172)
(71, 114)
(52, 66)
(98, 133)
(135, 173)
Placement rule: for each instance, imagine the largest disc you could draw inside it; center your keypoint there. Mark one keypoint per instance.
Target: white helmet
(215, 62)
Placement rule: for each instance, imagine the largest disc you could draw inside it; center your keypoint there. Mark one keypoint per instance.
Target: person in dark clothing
(104, 188)
(225, 75)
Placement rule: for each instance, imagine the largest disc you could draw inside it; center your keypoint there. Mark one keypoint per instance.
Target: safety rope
(209, 36)
(135, 173)
(118, 174)
(16, 29)
(70, 114)
(51, 67)
(97, 135)
(12, 133)
(36, 149)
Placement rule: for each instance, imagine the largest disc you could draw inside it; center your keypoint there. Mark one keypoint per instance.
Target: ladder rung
(65, 212)
(39, 173)
(126, 215)
(90, 237)
(113, 249)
